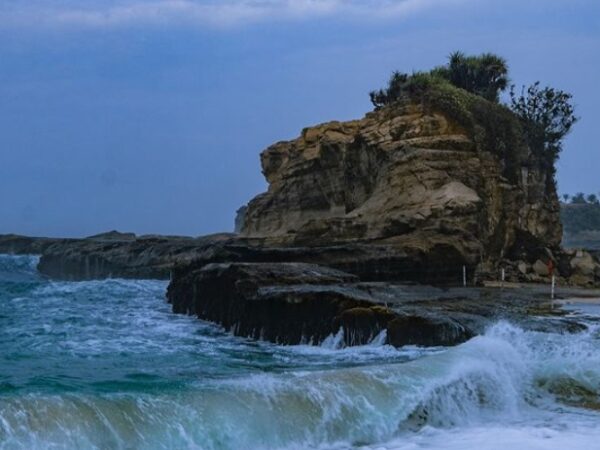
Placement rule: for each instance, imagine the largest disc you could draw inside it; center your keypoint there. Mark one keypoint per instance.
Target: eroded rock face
(407, 177)
(280, 302)
(292, 303)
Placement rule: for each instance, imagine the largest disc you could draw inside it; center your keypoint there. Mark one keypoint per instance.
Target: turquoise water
(106, 365)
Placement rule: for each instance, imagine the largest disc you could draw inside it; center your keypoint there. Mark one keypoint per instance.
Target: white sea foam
(567, 432)
(487, 393)
(104, 364)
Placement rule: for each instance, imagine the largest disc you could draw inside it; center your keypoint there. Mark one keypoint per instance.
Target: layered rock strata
(414, 179)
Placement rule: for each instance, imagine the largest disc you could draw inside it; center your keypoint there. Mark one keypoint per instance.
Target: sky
(149, 115)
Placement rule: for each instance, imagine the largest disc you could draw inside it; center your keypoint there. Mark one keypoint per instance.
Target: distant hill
(581, 225)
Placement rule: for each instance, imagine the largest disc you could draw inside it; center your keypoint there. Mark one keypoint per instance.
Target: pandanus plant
(485, 75)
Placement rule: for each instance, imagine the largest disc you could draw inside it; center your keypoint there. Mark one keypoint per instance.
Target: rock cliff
(416, 177)
(414, 191)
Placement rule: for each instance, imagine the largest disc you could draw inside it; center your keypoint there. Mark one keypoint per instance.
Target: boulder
(523, 267)
(426, 330)
(541, 268)
(583, 264)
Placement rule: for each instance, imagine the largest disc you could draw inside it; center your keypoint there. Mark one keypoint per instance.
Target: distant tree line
(547, 114)
(580, 212)
(581, 199)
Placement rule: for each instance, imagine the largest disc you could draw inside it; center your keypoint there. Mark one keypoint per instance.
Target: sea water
(106, 365)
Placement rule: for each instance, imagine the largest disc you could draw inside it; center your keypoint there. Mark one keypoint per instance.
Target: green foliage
(443, 96)
(581, 199)
(493, 126)
(547, 115)
(395, 90)
(485, 75)
(578, 217)
(581, 220)
(529, 131)
(578, 199)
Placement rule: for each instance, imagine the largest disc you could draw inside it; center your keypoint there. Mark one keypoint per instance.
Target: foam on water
(105, 364)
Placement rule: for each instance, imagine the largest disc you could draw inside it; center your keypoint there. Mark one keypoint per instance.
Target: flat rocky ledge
(292, 295)
(291, 303)
(111, 255)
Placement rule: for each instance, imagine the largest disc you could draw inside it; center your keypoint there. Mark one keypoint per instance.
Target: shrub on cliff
(485, 75)
(547, 115)
(492, 125)
(532, 127)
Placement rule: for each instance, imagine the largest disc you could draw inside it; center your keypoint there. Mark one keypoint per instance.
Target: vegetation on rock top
(467, 89)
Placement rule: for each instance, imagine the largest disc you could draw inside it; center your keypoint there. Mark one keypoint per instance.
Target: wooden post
(502, 276)
(464, 276)
(552, 290)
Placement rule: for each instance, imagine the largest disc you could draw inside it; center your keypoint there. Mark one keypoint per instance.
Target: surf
(104, 364)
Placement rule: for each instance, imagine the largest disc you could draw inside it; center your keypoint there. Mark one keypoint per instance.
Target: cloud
(111, 13)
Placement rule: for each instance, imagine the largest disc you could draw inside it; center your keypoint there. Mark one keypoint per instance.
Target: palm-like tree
(485, 75)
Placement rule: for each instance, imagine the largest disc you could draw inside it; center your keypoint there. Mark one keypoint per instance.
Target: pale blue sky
(148, 116)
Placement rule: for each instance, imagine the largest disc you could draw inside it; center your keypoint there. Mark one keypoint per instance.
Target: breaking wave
(104, 364)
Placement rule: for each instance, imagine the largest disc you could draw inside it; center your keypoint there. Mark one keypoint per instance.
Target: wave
(505, 377)
(21, 268)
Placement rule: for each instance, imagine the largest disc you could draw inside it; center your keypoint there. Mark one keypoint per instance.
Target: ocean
(106, 365)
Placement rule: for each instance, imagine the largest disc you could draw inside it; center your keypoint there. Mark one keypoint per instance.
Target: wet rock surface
(110, 255)
(292, 303)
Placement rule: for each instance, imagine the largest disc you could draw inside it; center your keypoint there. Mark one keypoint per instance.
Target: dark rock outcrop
(142, 257)
(290, 303)
(14, 244)
(113, 254)
(370, 262)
